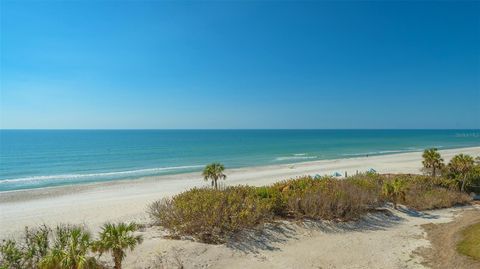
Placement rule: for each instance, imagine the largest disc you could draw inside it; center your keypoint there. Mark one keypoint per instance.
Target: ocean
(42, 158)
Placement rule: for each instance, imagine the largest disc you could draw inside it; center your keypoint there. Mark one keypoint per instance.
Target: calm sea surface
(41, 158)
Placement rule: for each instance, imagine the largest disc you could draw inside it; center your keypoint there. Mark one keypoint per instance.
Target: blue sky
(91, 64)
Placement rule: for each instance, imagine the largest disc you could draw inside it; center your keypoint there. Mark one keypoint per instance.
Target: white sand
(380, 241)
(95, 204)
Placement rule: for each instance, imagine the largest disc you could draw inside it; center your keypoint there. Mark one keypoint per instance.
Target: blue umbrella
(371, 170)
(337, 174)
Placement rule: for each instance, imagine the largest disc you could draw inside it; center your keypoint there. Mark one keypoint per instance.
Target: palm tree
(116, 238)
(432, 160)
(214, 172)
(460, 166)
(395, 190)
(70, 250)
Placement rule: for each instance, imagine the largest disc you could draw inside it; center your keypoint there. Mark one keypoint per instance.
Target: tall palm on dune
(116, 238)
(432, 160)
(214, 172)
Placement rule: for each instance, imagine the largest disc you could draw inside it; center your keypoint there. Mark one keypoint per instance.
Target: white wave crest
(292, 158)
(96, 175)
(379, 152)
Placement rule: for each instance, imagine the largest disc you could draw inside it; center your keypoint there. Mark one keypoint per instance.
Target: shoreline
(85, 186)
(89, 184)
(126, 200)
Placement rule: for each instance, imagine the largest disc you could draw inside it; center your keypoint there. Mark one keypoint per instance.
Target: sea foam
(138, 172)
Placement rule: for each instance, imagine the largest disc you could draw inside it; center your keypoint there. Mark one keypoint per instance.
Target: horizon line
(220, 129)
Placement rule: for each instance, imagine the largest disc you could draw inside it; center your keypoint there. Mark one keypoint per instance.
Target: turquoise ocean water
(41, 158)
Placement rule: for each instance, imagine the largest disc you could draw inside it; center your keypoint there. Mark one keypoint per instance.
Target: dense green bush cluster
(211, 215)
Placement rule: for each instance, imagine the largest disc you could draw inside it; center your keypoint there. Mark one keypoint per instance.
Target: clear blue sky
(91, 64)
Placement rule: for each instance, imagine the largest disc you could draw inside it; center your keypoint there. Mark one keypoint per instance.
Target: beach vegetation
(426, 197)
(424, 192)
(67, 247)
(330, 199)
(395, 190)
(432, 161)
(116, 239)
(214, 172)
(460, 168)
(70, 249)
(210, 215)
(12, 256)
(29, 252)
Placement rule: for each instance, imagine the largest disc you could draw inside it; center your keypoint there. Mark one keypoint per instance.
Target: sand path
(387, 239)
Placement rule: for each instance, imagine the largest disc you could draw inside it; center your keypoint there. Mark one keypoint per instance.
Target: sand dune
(386, 239)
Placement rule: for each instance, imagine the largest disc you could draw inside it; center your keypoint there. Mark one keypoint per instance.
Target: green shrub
(36, 244)
(272, 198)
(295, 185)
(395, 190)
(421, 198)
(425, 193)
(11, 255)
(331, 199)
(26, 254)
(369, 181)
(210, 215)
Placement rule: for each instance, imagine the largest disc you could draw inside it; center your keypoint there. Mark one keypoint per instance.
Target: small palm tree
(395, 191)
(214, 172)
(460, 166)
(116, 238)
(432, 160)
(70, 250)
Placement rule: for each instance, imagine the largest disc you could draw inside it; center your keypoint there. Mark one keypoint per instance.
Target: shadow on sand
(417, 214)
(272, 234)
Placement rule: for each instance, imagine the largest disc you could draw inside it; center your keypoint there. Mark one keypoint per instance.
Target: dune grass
(470, 243)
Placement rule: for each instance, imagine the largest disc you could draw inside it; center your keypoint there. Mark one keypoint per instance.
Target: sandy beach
(386, 239)
(94, 204)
